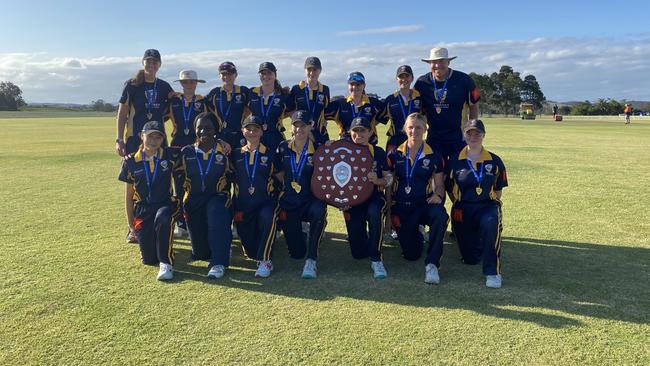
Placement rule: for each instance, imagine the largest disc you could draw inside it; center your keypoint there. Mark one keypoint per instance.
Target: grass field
(576, 258)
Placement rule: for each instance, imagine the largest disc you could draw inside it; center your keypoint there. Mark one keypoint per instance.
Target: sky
(80, 51)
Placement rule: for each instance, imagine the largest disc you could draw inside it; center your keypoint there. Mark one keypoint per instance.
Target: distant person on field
(555, 110)
(628, 112)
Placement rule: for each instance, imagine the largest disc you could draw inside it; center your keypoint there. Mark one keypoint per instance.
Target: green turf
(575, 261)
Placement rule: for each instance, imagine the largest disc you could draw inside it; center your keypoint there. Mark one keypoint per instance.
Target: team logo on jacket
(425, 163)
(164, 164)
(416, 103)
(488, 168)
(238, 98)
(309, 160)
(197, 106)
(276, 101)
(219, 159)
(321, 97)
(367, 109)
(264, 159)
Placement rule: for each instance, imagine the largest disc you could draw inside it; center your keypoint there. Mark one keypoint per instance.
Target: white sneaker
(493, 281)
(431, 274)
(166, 272)
(309, 270)
(216, 271)
(264, 269)
(379, 271)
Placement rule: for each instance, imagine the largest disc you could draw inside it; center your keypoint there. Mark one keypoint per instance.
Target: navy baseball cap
(228, 67)
(360, 122)
(301, 116)
(151, 53)
(267, 66)
(153, 126)
(475, 124)
(404, 69)
(356, 77)
(252, 120)
(313, 62)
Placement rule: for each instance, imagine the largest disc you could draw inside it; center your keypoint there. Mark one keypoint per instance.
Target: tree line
(502, 92)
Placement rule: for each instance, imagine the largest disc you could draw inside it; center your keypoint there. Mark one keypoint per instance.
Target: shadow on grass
(550, 283)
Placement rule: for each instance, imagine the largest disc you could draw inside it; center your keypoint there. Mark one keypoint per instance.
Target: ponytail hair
(138, 78)
(278, 89)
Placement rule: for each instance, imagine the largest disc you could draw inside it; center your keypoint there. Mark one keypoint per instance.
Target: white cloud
(566, 68)
(394, 29)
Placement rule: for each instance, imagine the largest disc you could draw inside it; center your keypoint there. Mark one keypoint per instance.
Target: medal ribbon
(207, 169)
(296, 170)
(311, 109)
(265, 112)
(435, 88)
(401, 104)
(151, 94)
(186, 116)
(479, 177)
(152, 178)
(251, 174)
(224, 116)
(411, 169)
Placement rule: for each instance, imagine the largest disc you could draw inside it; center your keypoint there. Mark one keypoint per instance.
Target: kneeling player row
(273, 188)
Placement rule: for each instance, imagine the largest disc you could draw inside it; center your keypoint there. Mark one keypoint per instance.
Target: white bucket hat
(189, 75)
(438, 53)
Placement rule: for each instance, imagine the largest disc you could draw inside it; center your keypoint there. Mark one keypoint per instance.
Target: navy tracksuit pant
(365, 241)
(209, 228)
(153, 228)
(478, 227)
(407, 217)
(256, 229)
(314, 212)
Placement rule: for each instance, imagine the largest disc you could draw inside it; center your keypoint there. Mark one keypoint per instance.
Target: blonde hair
(416, 116)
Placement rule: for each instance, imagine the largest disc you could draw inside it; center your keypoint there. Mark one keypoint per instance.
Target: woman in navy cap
(207, 199)
(229, 103)
(357, 104)
(367, 243)
(478, 178)
(255, 200)
(294, 159)
(150, 207)
(183, 109)
(312, 96)
(418, 191)
(269, 103)
(400, 105)
(144, 98)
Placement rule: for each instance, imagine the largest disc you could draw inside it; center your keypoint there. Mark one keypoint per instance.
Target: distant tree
(565, 110)
(508, 89)
(11, 97)
(101, 106)
(488, 90)
(531, 93)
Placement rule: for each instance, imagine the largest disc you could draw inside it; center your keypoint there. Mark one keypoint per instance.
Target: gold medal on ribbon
(251, 190)
(296, 187)
(479, 190)
(438, 110)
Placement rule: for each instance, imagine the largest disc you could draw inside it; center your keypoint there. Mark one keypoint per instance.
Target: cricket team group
(232, 168)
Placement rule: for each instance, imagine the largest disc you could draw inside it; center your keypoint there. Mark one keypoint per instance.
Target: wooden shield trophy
(340, 175)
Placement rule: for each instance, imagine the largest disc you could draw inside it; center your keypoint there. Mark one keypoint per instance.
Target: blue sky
(76, 51)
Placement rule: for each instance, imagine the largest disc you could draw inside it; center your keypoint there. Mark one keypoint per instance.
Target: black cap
(360, 122)
(267, 66)
(356, 77)
(252, 120)
(301, 116)
(153, 126)
(404, 69)
(475, 124)
(313, 62)
(228, 67)
(151, 53)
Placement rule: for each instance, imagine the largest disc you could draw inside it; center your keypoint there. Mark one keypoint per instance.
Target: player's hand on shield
(372, 177)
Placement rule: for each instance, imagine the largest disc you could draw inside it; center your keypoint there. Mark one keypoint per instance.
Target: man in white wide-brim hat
(444, 93)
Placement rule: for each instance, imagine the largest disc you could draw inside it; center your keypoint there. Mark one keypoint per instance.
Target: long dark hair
(138, 78)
